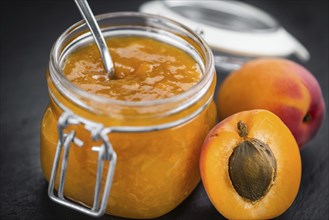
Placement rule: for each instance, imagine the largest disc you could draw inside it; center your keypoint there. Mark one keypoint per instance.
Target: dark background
(28, 30)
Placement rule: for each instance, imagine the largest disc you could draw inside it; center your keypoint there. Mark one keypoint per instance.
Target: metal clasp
(105, 152)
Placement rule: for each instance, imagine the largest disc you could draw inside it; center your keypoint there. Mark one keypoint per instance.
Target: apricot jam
(145, 69)
(161, 98)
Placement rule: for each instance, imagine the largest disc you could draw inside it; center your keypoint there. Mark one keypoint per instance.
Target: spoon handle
(89, 17)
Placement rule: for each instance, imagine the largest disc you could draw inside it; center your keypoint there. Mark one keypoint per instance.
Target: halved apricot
(250, 166)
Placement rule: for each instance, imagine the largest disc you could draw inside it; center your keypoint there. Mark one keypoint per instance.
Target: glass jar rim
(63, 81)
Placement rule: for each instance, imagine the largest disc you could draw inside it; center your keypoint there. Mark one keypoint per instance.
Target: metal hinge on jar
(105, 152)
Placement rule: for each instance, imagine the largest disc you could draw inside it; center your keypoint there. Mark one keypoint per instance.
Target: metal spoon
(89, 17)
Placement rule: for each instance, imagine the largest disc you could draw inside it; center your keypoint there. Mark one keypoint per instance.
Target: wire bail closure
(105, 152)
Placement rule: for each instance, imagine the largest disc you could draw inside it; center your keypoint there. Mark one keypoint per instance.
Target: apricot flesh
(280, 86)
(263, 180)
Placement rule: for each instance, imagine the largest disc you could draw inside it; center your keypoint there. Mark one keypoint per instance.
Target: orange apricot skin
(215, 154)
(280, 86)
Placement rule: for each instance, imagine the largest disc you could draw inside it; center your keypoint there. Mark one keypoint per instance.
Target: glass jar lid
(232, 27)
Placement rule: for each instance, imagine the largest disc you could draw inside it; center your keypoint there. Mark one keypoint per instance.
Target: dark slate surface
(28, 30)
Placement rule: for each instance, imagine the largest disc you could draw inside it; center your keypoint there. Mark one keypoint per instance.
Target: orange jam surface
(145, 69)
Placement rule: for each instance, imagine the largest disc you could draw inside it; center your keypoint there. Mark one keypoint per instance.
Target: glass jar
(129, 159)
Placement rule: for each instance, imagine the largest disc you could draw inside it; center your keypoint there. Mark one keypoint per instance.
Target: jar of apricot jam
(127, 146)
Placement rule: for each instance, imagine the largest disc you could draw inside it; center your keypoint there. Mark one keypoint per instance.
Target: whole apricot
(250, 166)
(280, 86)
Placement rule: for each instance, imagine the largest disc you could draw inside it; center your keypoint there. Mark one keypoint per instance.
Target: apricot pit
(252, 167)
